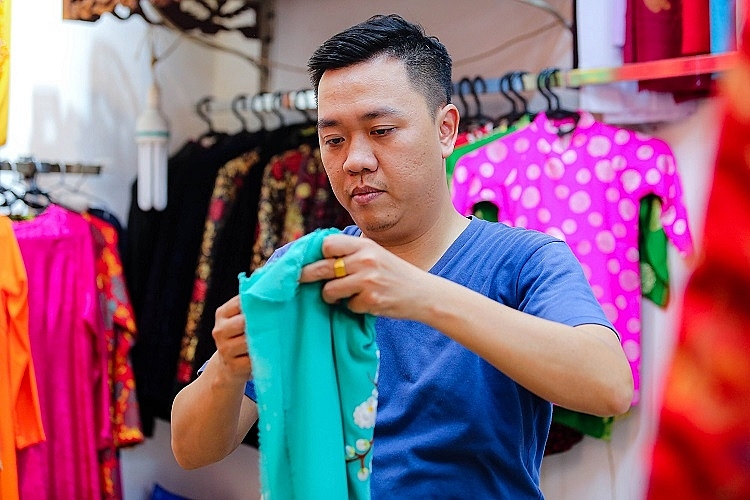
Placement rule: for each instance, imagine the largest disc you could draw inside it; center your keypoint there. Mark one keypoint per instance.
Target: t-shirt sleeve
(553, 268)
(249, 386)
(250, 390)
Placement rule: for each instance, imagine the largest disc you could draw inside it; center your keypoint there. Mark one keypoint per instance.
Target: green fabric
(590, 425)
(486, 210)
(315, 370)
(450, 162)
(652, 249)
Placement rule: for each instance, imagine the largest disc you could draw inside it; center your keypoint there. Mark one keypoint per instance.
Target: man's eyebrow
(324, 123)
(385, 111)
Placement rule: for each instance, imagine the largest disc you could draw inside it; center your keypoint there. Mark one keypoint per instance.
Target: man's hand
(370, 278)
(231, 345)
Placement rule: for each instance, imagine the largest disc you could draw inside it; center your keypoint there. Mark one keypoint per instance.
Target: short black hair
(427, 61)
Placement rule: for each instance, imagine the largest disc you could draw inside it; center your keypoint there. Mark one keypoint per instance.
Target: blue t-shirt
(449, 424)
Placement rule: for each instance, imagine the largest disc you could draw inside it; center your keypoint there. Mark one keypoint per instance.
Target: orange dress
(20, 417)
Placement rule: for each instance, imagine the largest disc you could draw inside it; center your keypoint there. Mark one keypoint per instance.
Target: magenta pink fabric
(583, 188)
(67, 348)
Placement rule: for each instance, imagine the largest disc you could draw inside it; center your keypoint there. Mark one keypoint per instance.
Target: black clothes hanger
(517, 76)
(461, 96)
(254, 110)
(479, 116)
(519, 106)
(247, 104)
(34, 197)
(202, 109)
(7, 196)
(472, 121)
(505, 84)
(211, 137)
(554, 110)
(276, 108)
(27, 191)
(11, 203)
(268, 103)
(465, 107)
(240, 98)
(300, 104)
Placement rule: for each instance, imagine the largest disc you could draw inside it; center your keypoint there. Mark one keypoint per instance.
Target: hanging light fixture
(152, 138)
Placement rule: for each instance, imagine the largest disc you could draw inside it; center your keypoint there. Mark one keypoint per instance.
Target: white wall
(235, 477)
(77, 88)
(74, 93)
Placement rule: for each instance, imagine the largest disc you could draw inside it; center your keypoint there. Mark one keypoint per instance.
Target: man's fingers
(335, 264)
(338, 245)
(229, 308)
(317, 271)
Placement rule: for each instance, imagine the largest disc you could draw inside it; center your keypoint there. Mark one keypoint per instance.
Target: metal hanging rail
(650, 70)
(574, 78)
(28, 167)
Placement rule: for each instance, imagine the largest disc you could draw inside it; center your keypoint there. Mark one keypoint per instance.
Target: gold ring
(339, 269)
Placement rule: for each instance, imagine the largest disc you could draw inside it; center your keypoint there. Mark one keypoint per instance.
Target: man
(480, 326)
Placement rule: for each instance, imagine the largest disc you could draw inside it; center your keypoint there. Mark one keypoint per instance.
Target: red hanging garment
(702, 448)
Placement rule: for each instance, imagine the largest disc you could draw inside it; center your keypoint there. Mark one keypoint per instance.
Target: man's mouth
(364, 194)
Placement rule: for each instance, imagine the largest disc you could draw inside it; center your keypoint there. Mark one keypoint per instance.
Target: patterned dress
(584, 188)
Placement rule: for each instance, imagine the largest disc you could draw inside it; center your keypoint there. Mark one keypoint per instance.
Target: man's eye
(334, 141)
(382, 131)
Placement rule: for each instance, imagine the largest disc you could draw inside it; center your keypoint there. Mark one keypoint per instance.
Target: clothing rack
(649, 70)
(263, 102)
(304, 100)
(29, 167)
(32, 196)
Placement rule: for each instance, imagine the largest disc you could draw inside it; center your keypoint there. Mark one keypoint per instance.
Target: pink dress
(67, 348)
(583, 188)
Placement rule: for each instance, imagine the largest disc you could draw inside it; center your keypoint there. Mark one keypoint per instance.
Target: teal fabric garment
(315, 369)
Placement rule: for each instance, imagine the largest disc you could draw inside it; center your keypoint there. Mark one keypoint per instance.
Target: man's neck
(426, 247)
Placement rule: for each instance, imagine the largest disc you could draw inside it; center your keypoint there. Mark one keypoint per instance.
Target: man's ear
(447, 119)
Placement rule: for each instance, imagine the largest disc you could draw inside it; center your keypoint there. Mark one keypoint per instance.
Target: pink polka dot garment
(583, 188)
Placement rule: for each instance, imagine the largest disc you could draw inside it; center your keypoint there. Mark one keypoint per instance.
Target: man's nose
(360, 156)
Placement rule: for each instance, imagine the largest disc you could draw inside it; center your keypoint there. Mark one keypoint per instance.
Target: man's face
(381, 147)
